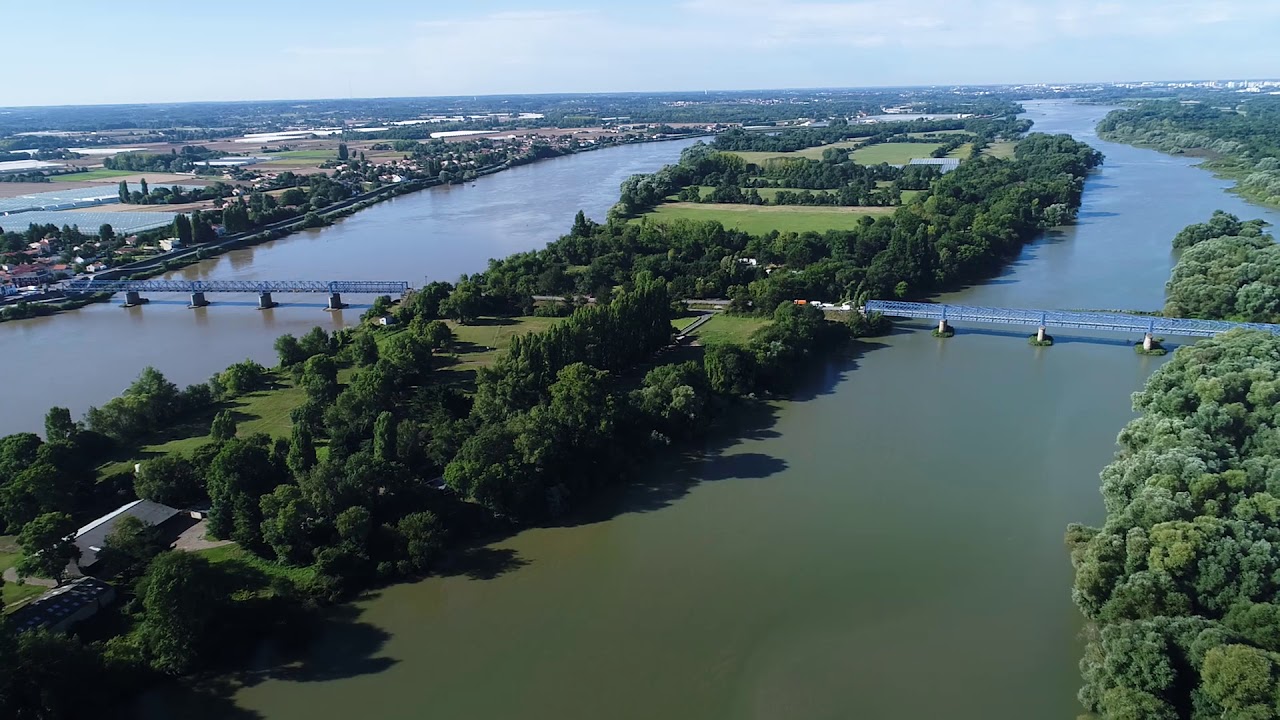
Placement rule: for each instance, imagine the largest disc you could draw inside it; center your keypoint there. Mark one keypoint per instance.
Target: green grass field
(10, 554)
(254, 573)
(265, 411)
(813, 153)
(480, 343)
(681, 323)
(1001, 149)
(722, 328)
(962, 152)
(96, 174)
(760, 219)
(893, 153)
(909, 195)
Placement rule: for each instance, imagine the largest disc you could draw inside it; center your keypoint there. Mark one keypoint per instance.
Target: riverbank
(180, 259)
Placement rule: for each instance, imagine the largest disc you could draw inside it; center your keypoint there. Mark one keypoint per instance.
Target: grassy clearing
(681, 323)
(909, 195)
(962, 152)
(98, 174)
(813, 153)
(256, 573)
(10, 554)
(480, 343)
(1001, 149)
(722, 328)
(768, 194)
(760, 219)
(265, 411)
(893, 153)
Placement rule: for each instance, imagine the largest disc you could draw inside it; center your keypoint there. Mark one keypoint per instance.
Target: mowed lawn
(722, 328)
(768, 194)
(10, 554)
(893, 153)
(760, 219)
(480, 343)
(96, 174)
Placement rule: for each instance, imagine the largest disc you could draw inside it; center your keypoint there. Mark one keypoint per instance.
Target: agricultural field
(722, 328)
(98, 174)
(893, 153)
(760, 219)
(768, 194)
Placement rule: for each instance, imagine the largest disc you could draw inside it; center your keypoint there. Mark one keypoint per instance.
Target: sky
(63, 52)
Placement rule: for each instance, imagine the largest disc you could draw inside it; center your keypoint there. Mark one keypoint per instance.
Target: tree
(58, 426)
(289, 350)
(238, 476)
(49, 545)
(181, 595)
(423, 536)
(124, 191)
(464, 303)
(302, 451)
(384, 437)
(182, 229)
(730, 369)
(316, 342)
(320, 378)
(365, 349)
(130, 546)
(145, 191)
(342, 152)
(287, 517)
(106, 233)
(170, 479)
(223, 427)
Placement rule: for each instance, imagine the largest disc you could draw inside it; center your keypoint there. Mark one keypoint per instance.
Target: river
(889, 545)
(86, 357)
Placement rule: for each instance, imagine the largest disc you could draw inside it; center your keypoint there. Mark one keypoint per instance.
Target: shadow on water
(335, 645)
(482, 563)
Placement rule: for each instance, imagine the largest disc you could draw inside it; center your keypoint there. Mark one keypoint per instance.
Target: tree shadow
(491, 321)
(482, 563)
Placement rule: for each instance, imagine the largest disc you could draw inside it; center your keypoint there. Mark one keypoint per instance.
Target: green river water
(887, 545)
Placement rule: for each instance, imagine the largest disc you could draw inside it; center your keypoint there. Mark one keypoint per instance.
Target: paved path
(11, 576)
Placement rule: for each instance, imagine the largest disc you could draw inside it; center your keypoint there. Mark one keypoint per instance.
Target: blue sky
(88, 51)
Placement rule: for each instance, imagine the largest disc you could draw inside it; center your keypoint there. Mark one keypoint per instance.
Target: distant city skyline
(81, 52)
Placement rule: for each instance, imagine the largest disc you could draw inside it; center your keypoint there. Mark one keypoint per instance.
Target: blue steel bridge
(133, 289)
(1112, 322)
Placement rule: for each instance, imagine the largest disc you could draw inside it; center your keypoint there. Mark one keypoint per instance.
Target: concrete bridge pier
(133, 297)
(1040, 334)
(335, 302)
(198, 300)
(1148, 342)
(943, 327)
(265, 302)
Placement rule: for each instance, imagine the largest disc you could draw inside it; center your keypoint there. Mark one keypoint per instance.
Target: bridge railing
(242, 286)
(1068, 319)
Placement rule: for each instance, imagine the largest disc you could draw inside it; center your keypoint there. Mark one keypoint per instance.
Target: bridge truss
(1115, 322)
(377, 287)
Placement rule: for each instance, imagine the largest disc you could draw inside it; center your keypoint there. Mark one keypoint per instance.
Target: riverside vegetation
(345, 501)
(1179, 584)
(1241, 142)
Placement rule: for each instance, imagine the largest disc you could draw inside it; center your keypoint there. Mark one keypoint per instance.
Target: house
(386, 321)
(64, 606)
(170, 244)
(92, 537)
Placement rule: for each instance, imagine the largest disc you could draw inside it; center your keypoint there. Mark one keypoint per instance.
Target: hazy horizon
(84, 53)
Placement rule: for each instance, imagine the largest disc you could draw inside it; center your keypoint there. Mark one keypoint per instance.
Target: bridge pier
(198, 300)
(335, 302)
(1040, 336)
(133, 298)
(265, 302)
(1148, 342)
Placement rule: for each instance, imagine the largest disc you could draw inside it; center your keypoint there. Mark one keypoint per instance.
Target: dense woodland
(1228, 270)
(1241, 140)
(1180, 582)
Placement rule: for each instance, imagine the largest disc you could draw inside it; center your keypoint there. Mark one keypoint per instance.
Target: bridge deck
(242, 286)
(1116, 322)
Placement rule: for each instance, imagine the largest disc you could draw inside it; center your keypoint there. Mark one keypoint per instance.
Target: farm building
(64, 606)
(91, 538)
(944, 165)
